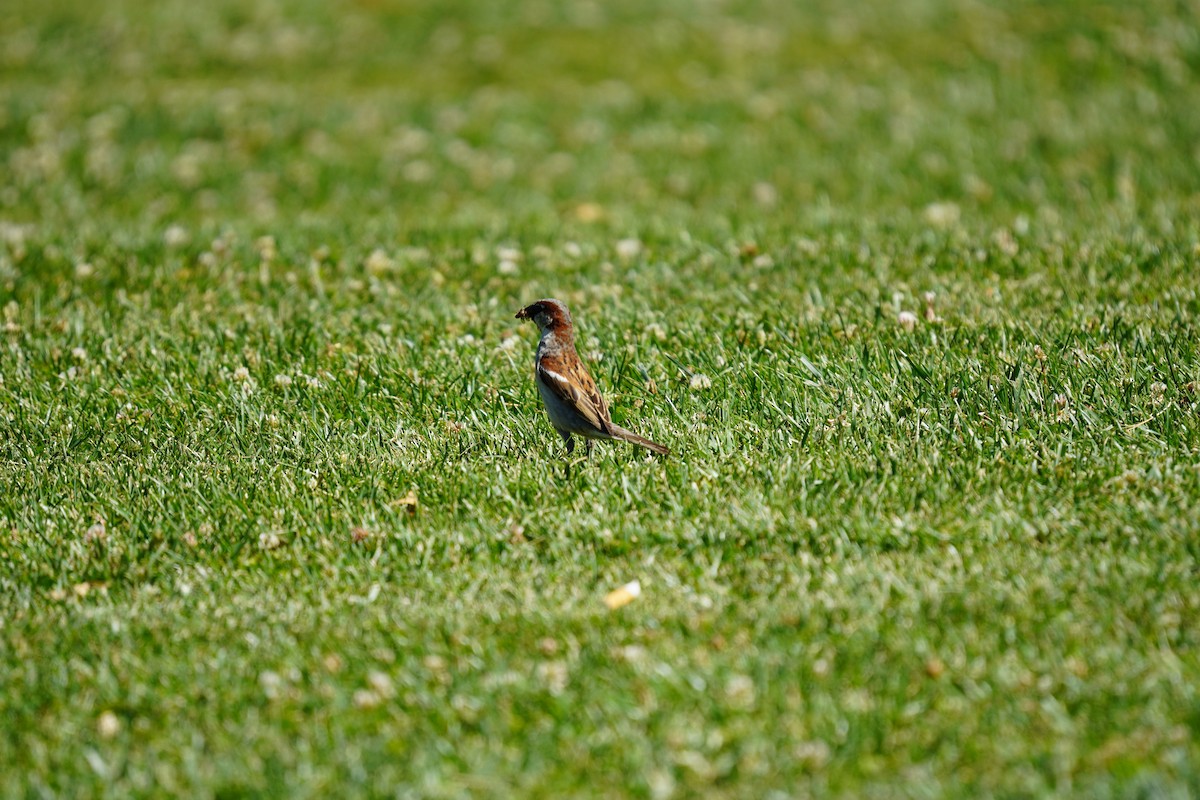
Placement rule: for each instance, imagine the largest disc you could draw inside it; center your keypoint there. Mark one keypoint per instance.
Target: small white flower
(700, 382)
(271, 683)
(378, 261)
(241, 374)
(381, 683)
(508, 254)
(84, 270)
(507, 267)
(79, 354)
(740, 691)
(312, 382)
(176, 236)
(907, 320)
(765, 194)
(554, 675)
(629, 248)
(108, 725)
(269, 540)
(930, 313)
(283, 381)
(96, 533)
(1006, 242)
(1063, 412)
(632, 653)
(808, 247)
(657, 331)
(942, 215)
(572, 250)
(265, 245)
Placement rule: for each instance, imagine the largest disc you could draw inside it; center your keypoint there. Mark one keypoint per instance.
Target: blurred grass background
(757, 115)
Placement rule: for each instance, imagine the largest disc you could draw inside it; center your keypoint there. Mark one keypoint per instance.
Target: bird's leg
(587, 444)
(570, 443)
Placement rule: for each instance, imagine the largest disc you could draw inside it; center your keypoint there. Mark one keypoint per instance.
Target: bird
(572, 401)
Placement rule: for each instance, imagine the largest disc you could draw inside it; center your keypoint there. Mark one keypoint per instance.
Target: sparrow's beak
(523, 313)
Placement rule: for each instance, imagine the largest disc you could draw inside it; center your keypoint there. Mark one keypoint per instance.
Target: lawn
(911, 289)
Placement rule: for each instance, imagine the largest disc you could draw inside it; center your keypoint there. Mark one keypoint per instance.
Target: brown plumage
(572, 400)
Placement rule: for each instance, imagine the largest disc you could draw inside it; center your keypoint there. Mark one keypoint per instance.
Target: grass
(280, 514)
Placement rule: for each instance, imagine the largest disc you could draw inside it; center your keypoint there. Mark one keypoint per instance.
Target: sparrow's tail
(629, 436)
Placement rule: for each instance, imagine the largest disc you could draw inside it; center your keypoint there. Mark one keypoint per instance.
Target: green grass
(253, 305)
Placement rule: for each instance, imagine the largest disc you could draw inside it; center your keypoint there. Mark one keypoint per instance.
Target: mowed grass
(910, 290)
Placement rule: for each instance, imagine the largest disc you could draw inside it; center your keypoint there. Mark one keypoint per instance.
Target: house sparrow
(570, 395)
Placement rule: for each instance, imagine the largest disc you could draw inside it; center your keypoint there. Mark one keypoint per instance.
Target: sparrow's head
(547, 314)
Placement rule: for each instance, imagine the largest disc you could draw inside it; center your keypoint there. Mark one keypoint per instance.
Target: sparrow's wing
(570, 381)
